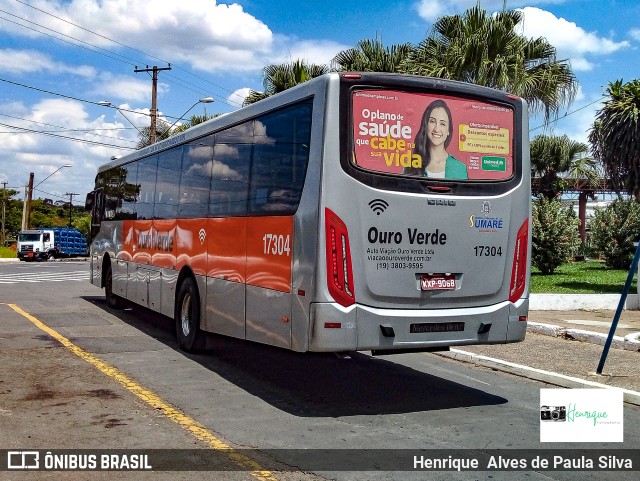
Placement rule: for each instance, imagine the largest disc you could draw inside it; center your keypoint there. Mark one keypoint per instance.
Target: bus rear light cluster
(339, 271)
(519, 269)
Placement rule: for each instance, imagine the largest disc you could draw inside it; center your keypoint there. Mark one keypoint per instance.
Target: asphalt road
(252, 403)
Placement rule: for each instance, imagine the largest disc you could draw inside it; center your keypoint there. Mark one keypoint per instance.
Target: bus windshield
(432, 135)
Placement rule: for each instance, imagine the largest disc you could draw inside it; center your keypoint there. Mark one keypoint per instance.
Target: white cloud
(30, 61)
(123, 87)
(635, 34)
(319, 52)
(24, 151)
(238, 96)
(432, 9)
(571, 41)
(206, 35)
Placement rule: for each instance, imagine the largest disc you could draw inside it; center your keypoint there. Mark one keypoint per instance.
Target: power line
(62, 129)
(75, 139)
(93, 48)
(567, 114)
(53, 93)
(79, 99)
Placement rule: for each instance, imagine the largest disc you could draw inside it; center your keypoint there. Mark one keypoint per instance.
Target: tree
(278, 78)
(554, 235)
(372, 56)
(559, 163)
(83, 224)
(144, 137)
(614, 229)
(615, 136)
(194, 120)
(488, 50)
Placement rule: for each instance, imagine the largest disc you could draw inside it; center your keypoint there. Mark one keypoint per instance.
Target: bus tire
(187, 317)
(113, 301)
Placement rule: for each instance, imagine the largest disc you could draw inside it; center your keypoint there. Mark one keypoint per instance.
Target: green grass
(589, 277)
(5, 252)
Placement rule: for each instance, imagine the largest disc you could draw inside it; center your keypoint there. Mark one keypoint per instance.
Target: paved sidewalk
(561, 359)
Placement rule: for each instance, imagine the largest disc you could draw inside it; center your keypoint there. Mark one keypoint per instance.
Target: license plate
(437, 283)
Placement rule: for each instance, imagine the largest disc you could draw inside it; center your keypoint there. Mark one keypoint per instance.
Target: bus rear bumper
(361, 328)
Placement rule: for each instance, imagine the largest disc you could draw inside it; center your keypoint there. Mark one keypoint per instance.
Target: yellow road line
(153, 400)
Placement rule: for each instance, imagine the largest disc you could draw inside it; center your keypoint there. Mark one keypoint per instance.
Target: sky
(60, 58)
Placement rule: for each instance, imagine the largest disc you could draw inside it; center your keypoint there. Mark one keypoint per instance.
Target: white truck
(50, 243)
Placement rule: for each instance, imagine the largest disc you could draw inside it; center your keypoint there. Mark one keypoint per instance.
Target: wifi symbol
(378, 206)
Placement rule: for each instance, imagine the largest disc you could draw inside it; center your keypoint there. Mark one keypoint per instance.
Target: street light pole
(106, 103)
(4, 202)
(205, 100)
(26, 206)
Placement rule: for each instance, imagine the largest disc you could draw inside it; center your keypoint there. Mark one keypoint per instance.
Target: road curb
(631, 397)
(628, 343)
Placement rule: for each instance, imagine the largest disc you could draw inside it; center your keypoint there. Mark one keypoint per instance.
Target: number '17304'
(277, 244)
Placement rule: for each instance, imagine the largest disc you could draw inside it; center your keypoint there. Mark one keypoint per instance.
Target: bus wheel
(113, 301)
(187, 317)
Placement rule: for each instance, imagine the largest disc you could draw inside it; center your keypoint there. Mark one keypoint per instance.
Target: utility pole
(26, 206)
(4, 202)
(154, 97)
(70, 194)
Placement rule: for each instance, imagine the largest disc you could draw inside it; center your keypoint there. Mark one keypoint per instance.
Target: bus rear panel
(415, 262)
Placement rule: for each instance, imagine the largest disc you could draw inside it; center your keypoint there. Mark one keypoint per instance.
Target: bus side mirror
(88, 203)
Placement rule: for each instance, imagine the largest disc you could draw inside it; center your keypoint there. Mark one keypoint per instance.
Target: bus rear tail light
(339, 271)
(519, 269)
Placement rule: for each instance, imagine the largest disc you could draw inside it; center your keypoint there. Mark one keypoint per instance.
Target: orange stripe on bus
(253, 250)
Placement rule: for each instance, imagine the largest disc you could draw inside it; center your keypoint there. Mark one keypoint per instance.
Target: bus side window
(168, 183)
(128, 191)
(280, 157)
(196, 179)
(147, 170)
(229, 179)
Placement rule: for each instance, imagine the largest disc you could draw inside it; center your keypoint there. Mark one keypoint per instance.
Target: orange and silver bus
(356, 211)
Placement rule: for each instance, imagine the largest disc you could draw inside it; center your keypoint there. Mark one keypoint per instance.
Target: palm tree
(144, 137)
(559, 163)
(615, 136)
(372, 56)
(487, 50)
(278, 78)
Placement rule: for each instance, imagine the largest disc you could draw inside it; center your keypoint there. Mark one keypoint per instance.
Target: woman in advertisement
(434, 136)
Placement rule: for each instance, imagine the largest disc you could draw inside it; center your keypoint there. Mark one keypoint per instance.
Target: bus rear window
(434, 136)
